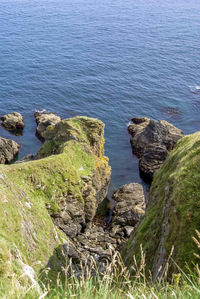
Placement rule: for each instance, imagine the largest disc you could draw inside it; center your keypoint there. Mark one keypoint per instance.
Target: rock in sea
(151, 142)
(43, 120)
(13, 121)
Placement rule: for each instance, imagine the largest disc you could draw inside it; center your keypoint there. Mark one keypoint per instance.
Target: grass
(174, 200)
(31, 192)
(115, 283)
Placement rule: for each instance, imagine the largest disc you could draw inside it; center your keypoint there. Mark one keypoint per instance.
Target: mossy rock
(64, 186)
(173, 213)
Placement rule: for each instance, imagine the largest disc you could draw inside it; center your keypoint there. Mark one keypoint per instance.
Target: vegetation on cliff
(35, 193)
(172, 213)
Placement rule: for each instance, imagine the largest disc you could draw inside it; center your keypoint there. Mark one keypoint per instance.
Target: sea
(107, 59)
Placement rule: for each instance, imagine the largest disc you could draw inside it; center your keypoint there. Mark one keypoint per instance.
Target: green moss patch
(180, 175)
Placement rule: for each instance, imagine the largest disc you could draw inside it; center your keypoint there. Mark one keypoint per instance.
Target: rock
(53, 201)
(151, 141)
(153, 157)
(172, 213)
(130, 206)
(128, 230)
(12, 121)
(43, 120)
(8, 150)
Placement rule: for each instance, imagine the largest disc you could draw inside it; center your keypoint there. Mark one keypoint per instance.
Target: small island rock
(151, 141)
(43, 120)
(13, 121)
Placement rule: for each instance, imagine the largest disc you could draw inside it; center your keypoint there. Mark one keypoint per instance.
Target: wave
(195, 88)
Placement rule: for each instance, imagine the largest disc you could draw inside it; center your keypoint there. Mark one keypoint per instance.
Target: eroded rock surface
(53, 199)
(12, 121)
(129, 208)
(151, 141)
(8, 150)
(43, 120)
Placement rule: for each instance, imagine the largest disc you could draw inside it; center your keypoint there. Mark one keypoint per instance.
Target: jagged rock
(43, 120)
(153, 157)
(130, 206)
(8, 150)
(13, 121)
(172, 214)
(151, 141)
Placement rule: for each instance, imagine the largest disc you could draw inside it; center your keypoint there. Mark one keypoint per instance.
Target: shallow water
(107, 59)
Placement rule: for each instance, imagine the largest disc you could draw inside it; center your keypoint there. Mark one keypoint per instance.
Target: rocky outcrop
(13, 121)
(172, 213)
(81, 141)
(129, 208)
(151, 142)
(43, 120)
(54, 198)
(8, 150)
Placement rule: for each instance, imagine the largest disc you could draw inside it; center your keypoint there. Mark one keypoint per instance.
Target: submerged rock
(172, 213)
(12, 121)
(151, 141)
(43, 120)
(8, 150)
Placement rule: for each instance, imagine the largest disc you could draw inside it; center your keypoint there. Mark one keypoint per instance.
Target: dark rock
(43, 120)
(153, 157)
(151, 141)
(8, 150)
(130, 206)
(13, 121)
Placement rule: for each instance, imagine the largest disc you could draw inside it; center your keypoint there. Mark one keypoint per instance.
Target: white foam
(129, 123)
(195, 88)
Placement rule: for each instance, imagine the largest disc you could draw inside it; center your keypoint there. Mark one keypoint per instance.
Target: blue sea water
(109, 59)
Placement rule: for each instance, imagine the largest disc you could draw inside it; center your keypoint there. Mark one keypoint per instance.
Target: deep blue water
(110, 59)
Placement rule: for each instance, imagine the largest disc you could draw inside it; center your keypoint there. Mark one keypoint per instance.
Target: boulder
(8, 150)
(172, 214)
(153, 157)
(12, 121)
(43, 120)
(130, 205)
(151, 141)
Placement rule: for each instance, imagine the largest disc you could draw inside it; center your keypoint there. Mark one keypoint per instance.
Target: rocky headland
(54, 210)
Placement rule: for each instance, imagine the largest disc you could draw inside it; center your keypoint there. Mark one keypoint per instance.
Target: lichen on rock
(47, 201)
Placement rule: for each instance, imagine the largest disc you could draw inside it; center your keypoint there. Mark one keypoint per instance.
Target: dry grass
(114, 283)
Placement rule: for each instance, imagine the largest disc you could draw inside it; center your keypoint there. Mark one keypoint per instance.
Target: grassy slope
(181, 175)
(26, 189)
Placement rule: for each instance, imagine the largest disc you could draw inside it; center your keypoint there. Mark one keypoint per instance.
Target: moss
(181, 175)
(74, 149)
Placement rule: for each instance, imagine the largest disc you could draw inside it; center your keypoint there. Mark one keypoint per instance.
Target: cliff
(172, 213)
(49, 200)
